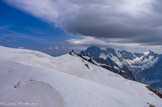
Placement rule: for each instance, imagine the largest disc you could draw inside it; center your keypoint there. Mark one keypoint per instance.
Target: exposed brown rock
(154, 91)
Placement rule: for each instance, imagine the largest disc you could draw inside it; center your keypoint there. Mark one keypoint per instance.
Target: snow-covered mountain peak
(150, 53)
(146, 53)
(110, 50)
(123, 57)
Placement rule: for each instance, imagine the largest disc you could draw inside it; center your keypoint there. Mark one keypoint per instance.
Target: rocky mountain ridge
(139, 63)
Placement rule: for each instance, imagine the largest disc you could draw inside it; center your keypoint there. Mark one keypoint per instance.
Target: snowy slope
(66, 81)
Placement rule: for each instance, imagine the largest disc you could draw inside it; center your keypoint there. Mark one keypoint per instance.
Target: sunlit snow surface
(66, 81)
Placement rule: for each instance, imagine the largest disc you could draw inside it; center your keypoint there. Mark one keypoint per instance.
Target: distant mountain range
(146, 67)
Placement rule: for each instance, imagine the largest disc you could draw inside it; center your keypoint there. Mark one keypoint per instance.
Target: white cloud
(51, 48)
(114, 43)
(137, 21)
(101, 42)
(87, 41)
(56, 48)
(52, 11)
(40, 8)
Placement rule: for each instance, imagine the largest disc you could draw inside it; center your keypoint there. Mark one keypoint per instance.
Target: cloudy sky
(60, 25)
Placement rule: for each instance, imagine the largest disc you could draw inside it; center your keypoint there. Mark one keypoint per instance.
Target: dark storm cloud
(136, 21)
(139, 28)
